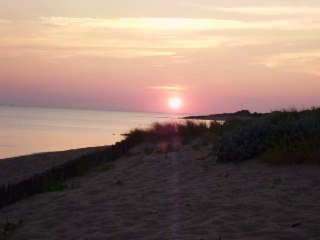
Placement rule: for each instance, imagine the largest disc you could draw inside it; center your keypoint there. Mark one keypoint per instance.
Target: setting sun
(175, 103)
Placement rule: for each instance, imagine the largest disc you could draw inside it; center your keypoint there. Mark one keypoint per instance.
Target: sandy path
(179, 195)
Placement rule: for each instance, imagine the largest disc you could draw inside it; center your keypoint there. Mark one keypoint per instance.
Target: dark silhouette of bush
(304, 150)
(187, 131)
(289, 129)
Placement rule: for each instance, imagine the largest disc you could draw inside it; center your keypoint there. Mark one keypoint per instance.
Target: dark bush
(186, 130)
(291, 130)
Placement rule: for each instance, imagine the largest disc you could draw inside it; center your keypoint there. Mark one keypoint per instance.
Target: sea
(29, 130)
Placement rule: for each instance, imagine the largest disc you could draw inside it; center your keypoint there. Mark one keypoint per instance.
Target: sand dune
(183, 194)
(15, 169)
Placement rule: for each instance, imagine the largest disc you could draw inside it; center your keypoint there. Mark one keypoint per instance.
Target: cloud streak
(303, 62)
(169, 88)
(271, 11)
(126, 38)
(176, 24)
(62, 38)
(4, 21)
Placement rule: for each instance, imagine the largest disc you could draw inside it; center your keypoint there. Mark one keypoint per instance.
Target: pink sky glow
(217, 56)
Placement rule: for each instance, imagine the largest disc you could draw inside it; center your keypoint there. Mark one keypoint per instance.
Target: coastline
(27, 130)
(242, 115)
(172, 182)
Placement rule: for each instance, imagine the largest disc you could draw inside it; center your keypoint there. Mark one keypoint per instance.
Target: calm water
(26, 130)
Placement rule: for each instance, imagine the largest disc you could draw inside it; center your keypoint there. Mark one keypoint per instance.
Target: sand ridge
(183, 194)
(13, 170)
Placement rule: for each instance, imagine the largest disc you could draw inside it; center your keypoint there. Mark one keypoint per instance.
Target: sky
(215, 55)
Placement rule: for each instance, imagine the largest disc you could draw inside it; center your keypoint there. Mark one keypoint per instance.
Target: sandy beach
(183, 194)
(16, 169)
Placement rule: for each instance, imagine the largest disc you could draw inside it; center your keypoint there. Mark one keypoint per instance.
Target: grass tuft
(187, 131)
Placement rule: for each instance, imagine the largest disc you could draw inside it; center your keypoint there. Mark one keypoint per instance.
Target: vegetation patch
(186, 131)
(305, 150)
(281, 137)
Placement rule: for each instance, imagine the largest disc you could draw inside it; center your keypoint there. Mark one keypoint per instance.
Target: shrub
(304, 150)
(187, 131)
(244, 143)
(190, 130)
(273, 134)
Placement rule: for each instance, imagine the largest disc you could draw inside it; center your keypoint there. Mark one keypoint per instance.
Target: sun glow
(175, 102)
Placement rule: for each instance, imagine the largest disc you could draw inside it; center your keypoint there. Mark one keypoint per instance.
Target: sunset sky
(215, 55)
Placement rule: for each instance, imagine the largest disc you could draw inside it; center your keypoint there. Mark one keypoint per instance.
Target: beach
(180, 194)
(16, 169)
(159, 120)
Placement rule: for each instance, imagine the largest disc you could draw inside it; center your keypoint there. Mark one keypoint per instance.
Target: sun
(175, 102)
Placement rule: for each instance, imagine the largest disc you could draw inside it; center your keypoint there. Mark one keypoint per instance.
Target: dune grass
(285, 136)
(187, 131)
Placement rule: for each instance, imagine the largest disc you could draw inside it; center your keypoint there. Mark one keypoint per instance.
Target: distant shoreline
(240, 115)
